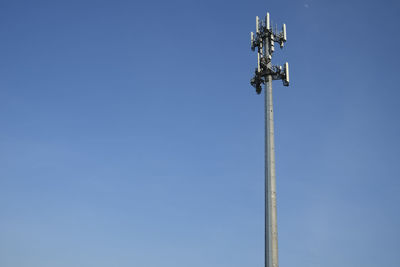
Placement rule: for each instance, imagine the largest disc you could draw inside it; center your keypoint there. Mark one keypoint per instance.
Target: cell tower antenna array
(263, 40)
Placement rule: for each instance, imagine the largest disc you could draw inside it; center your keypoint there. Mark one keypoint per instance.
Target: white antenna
(286, 81)
(284, 32)
(272, 44)
(257, 24)
(267, 21)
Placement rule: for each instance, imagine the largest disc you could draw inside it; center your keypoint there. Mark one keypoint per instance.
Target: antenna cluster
(264, 41)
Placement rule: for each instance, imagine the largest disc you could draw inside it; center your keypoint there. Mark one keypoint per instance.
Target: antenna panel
(257, 24)
(286, 80)
(284, 32)
(252, 40)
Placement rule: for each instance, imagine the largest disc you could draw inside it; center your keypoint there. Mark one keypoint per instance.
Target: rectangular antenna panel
(257, 24)
(286, 81)
(272, 45)
(284, 31)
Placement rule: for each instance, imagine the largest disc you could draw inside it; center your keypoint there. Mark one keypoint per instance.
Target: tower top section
(263, 40)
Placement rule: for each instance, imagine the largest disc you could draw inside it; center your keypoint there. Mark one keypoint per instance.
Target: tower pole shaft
(271, 231)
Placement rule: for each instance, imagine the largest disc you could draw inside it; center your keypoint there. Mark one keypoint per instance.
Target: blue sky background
(130, 136)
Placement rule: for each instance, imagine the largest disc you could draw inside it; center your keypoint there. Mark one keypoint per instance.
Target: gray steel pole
(271, 229)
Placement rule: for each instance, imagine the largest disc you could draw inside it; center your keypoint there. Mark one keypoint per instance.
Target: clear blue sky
(130, 135)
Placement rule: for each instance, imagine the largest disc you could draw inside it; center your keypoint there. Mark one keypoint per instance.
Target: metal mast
(263, 40)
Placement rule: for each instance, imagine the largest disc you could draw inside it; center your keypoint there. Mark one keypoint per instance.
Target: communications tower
(263, 40)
